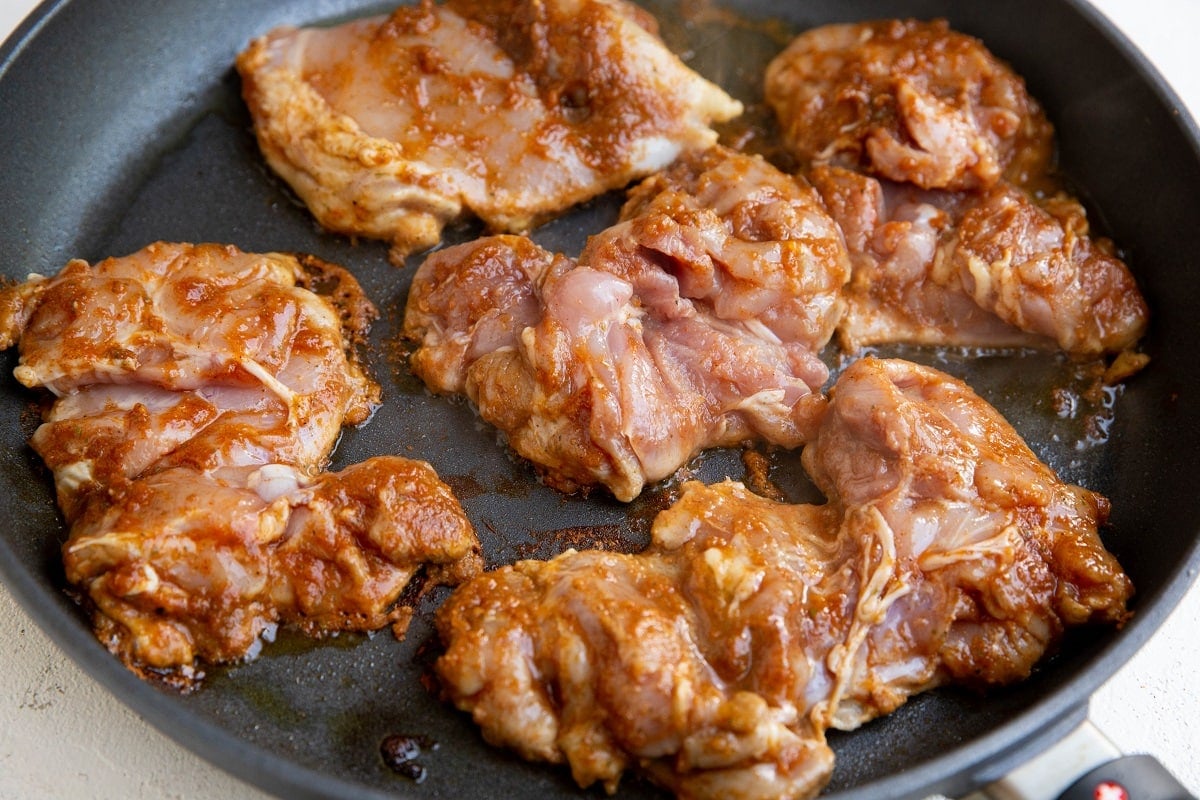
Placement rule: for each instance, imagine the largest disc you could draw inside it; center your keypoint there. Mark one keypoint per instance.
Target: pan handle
(1139, 777)
(1086, 765)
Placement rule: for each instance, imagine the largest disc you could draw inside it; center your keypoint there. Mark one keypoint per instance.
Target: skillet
(119, 129)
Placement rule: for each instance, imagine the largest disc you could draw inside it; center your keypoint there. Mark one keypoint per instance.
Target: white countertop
(63, 736)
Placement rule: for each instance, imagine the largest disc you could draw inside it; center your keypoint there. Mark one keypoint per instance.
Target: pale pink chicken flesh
(715, 660)
(199, 391)
(993, 268)
(908, 100)
(510, 110)
(937, 165)
(697, 321)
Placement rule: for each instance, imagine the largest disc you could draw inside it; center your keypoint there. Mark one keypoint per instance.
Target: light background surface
(64, 736)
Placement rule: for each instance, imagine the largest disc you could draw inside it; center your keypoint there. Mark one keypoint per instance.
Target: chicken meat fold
(907, 100)
(198, 393)
(715, 660)
(512, 110)
(992, 268)
(695, 322)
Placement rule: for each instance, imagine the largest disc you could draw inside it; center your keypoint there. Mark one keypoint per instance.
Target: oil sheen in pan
(330, 705)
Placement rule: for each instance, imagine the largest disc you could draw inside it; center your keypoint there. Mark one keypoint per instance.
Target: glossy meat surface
(715, 660)
(390, 127)
(1035, 266)
(936, 163)
(198, 393)
(696, 321)
(912, 101)
(1014, 552)
(993, 268)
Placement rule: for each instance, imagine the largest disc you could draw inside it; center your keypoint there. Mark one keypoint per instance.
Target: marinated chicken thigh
(198, 393)
(907, 100)
(715, 660)
(934, 161)
(511, 110)
(695, 322)
(993, 268)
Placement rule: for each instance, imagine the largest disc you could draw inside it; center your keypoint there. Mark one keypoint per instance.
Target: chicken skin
(715, 660)
(512, 111)
(198, 393)
(697, 321)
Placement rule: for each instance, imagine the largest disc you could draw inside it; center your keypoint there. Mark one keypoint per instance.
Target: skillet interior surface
(123, 124)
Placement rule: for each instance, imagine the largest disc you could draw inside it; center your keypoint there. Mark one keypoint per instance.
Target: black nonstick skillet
(121, 124)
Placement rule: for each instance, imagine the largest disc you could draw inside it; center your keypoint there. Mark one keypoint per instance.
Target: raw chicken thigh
(715, 660)
(511, 110)
(695, 322)
(198, 393)
(993, 269)
(934, 161)
(907, 100)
